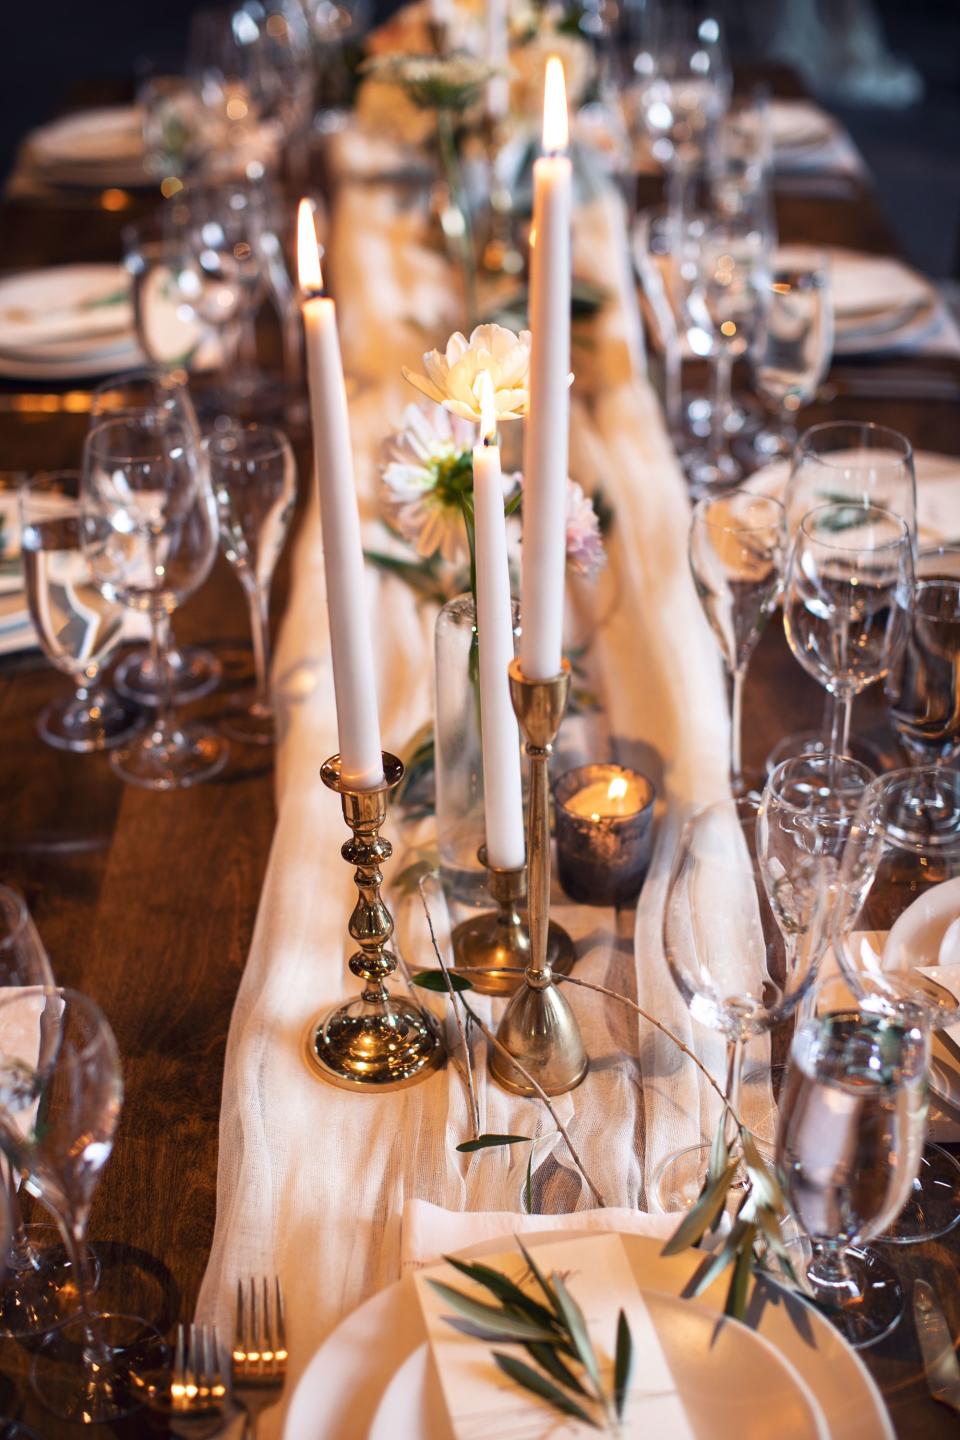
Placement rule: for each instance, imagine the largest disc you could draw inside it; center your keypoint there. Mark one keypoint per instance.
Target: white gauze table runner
(312, 1180)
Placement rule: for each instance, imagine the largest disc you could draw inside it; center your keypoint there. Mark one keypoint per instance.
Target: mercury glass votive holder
(604, 832)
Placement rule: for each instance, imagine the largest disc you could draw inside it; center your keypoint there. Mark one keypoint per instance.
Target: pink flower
(585, 553)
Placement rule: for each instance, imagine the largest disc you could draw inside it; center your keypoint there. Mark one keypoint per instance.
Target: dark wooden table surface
(147, 901)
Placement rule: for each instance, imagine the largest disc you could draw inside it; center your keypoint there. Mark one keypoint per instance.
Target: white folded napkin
(110, 133)
(428, 1232)
(82, 302)
(865, 283)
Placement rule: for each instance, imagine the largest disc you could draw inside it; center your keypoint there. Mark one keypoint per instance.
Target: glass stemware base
(96, 719)
(933, 1207)
(860, 1295)
(678, 1180)
(172, 758)
(193, 673)
(249, 721)
(68, 1386)
(39, 1290)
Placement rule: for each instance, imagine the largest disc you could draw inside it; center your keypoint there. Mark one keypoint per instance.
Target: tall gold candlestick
(378, 1042)
(493, 944)
(538, 1027)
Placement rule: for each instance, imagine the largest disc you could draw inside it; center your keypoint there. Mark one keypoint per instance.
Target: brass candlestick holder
(499, 938)
(538, 1027)
(378, 1042)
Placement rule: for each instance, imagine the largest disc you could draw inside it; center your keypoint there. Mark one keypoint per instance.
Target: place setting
(453, 979)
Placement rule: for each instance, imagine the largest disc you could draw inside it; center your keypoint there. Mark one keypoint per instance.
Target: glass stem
(164, 723)
(720, 403)
(96, 1353)
(258, 599)
(22, 1253)
(733, 1086)
(841, 707)
(736, 729)
(830, 1274)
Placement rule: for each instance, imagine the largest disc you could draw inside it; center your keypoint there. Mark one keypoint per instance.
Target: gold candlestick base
(538, 1028)
(499, 937)
(378, 1042)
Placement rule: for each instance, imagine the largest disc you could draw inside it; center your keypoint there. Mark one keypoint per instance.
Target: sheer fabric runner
(312, 1181)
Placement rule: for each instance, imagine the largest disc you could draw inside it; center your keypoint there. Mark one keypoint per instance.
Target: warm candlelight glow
(617, 788)
(308, 251)
(555, 132)
(488, 408)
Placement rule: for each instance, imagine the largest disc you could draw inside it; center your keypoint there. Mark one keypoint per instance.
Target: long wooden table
(147, 901)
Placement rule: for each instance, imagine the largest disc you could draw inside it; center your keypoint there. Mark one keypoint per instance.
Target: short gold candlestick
(378, 1042)
(499, 938)
(538, 1027)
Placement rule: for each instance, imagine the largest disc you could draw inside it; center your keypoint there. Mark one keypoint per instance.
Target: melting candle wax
(609, 798)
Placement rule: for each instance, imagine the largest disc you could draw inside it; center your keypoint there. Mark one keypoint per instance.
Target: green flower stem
(450, 160)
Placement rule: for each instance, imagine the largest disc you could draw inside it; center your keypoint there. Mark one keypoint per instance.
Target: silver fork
(197, 1392)
(259, 1358)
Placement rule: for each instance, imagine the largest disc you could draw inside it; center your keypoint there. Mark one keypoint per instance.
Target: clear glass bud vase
(458, 755)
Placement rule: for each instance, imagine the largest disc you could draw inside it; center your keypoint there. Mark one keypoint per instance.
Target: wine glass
(150, 530)
(732, 270)
(60, 1099)
(254, 479)
(737, 551)
(923, 688)
(793, 342)
(40, 1289)
(728, 955)
(850, 460)
(846, 602)
(193, 672)
(897, 925)
(78, 626)
(740, 157)
(849, 1143)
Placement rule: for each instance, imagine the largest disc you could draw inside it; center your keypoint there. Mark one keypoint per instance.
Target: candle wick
(314, 292)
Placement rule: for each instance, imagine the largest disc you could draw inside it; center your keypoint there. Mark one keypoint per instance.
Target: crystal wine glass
(150, 529)
(78, 626)
(849, 1143)
(850, 460)
(728, 956)
(254, 479)
(740, 157)
(60, 1099)
(737, 550)
(193, 672)
(923, 688)
(846, 602)
(40, 1289)
(793, 342)
(897, 923)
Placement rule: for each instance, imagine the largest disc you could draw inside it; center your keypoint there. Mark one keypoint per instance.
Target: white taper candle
(358, 724)
(547, 425)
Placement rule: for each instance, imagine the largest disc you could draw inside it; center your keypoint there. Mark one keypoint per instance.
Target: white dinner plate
(938, 493)
(91, 147)
(64, 303)
(798, 125)
(340, 1393)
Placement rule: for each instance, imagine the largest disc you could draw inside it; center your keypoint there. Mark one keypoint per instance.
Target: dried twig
(468, 1062)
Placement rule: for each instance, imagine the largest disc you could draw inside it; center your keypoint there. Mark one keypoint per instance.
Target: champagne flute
(254, 479)
(729, 958)
(79, 627)
(793, 343)
(896, 926)
(923, 689)
(193, 672)
(846, 602)
(60, 1099)
(849, 1143)
(737, 553)
(150, 529)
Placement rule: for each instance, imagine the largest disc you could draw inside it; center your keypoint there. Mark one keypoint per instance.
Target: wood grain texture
(148, 901)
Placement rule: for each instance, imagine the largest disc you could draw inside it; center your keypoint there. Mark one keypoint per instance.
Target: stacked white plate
(797, 128)
(16, 630)
(89, 148)
(67, 322)
(878, 303)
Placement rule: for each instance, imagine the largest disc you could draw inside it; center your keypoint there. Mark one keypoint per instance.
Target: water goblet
(60, 1098)
(254, 478)
(793, 343)
(193, 671)
(78, 626)
(851, 460)
(39, 1291)
(923, 688)
(729, 957)
(898, 925)
(849, 1143)
(846, 602)
(150, 530)
(737, 553)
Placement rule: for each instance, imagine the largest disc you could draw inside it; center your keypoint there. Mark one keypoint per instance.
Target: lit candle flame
(488, 408)
(555, 129)
(308, 251)
(617, 788)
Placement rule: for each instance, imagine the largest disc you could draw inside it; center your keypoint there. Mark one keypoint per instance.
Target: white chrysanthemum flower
(585, 553)
(425, 466)
(452, 378)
